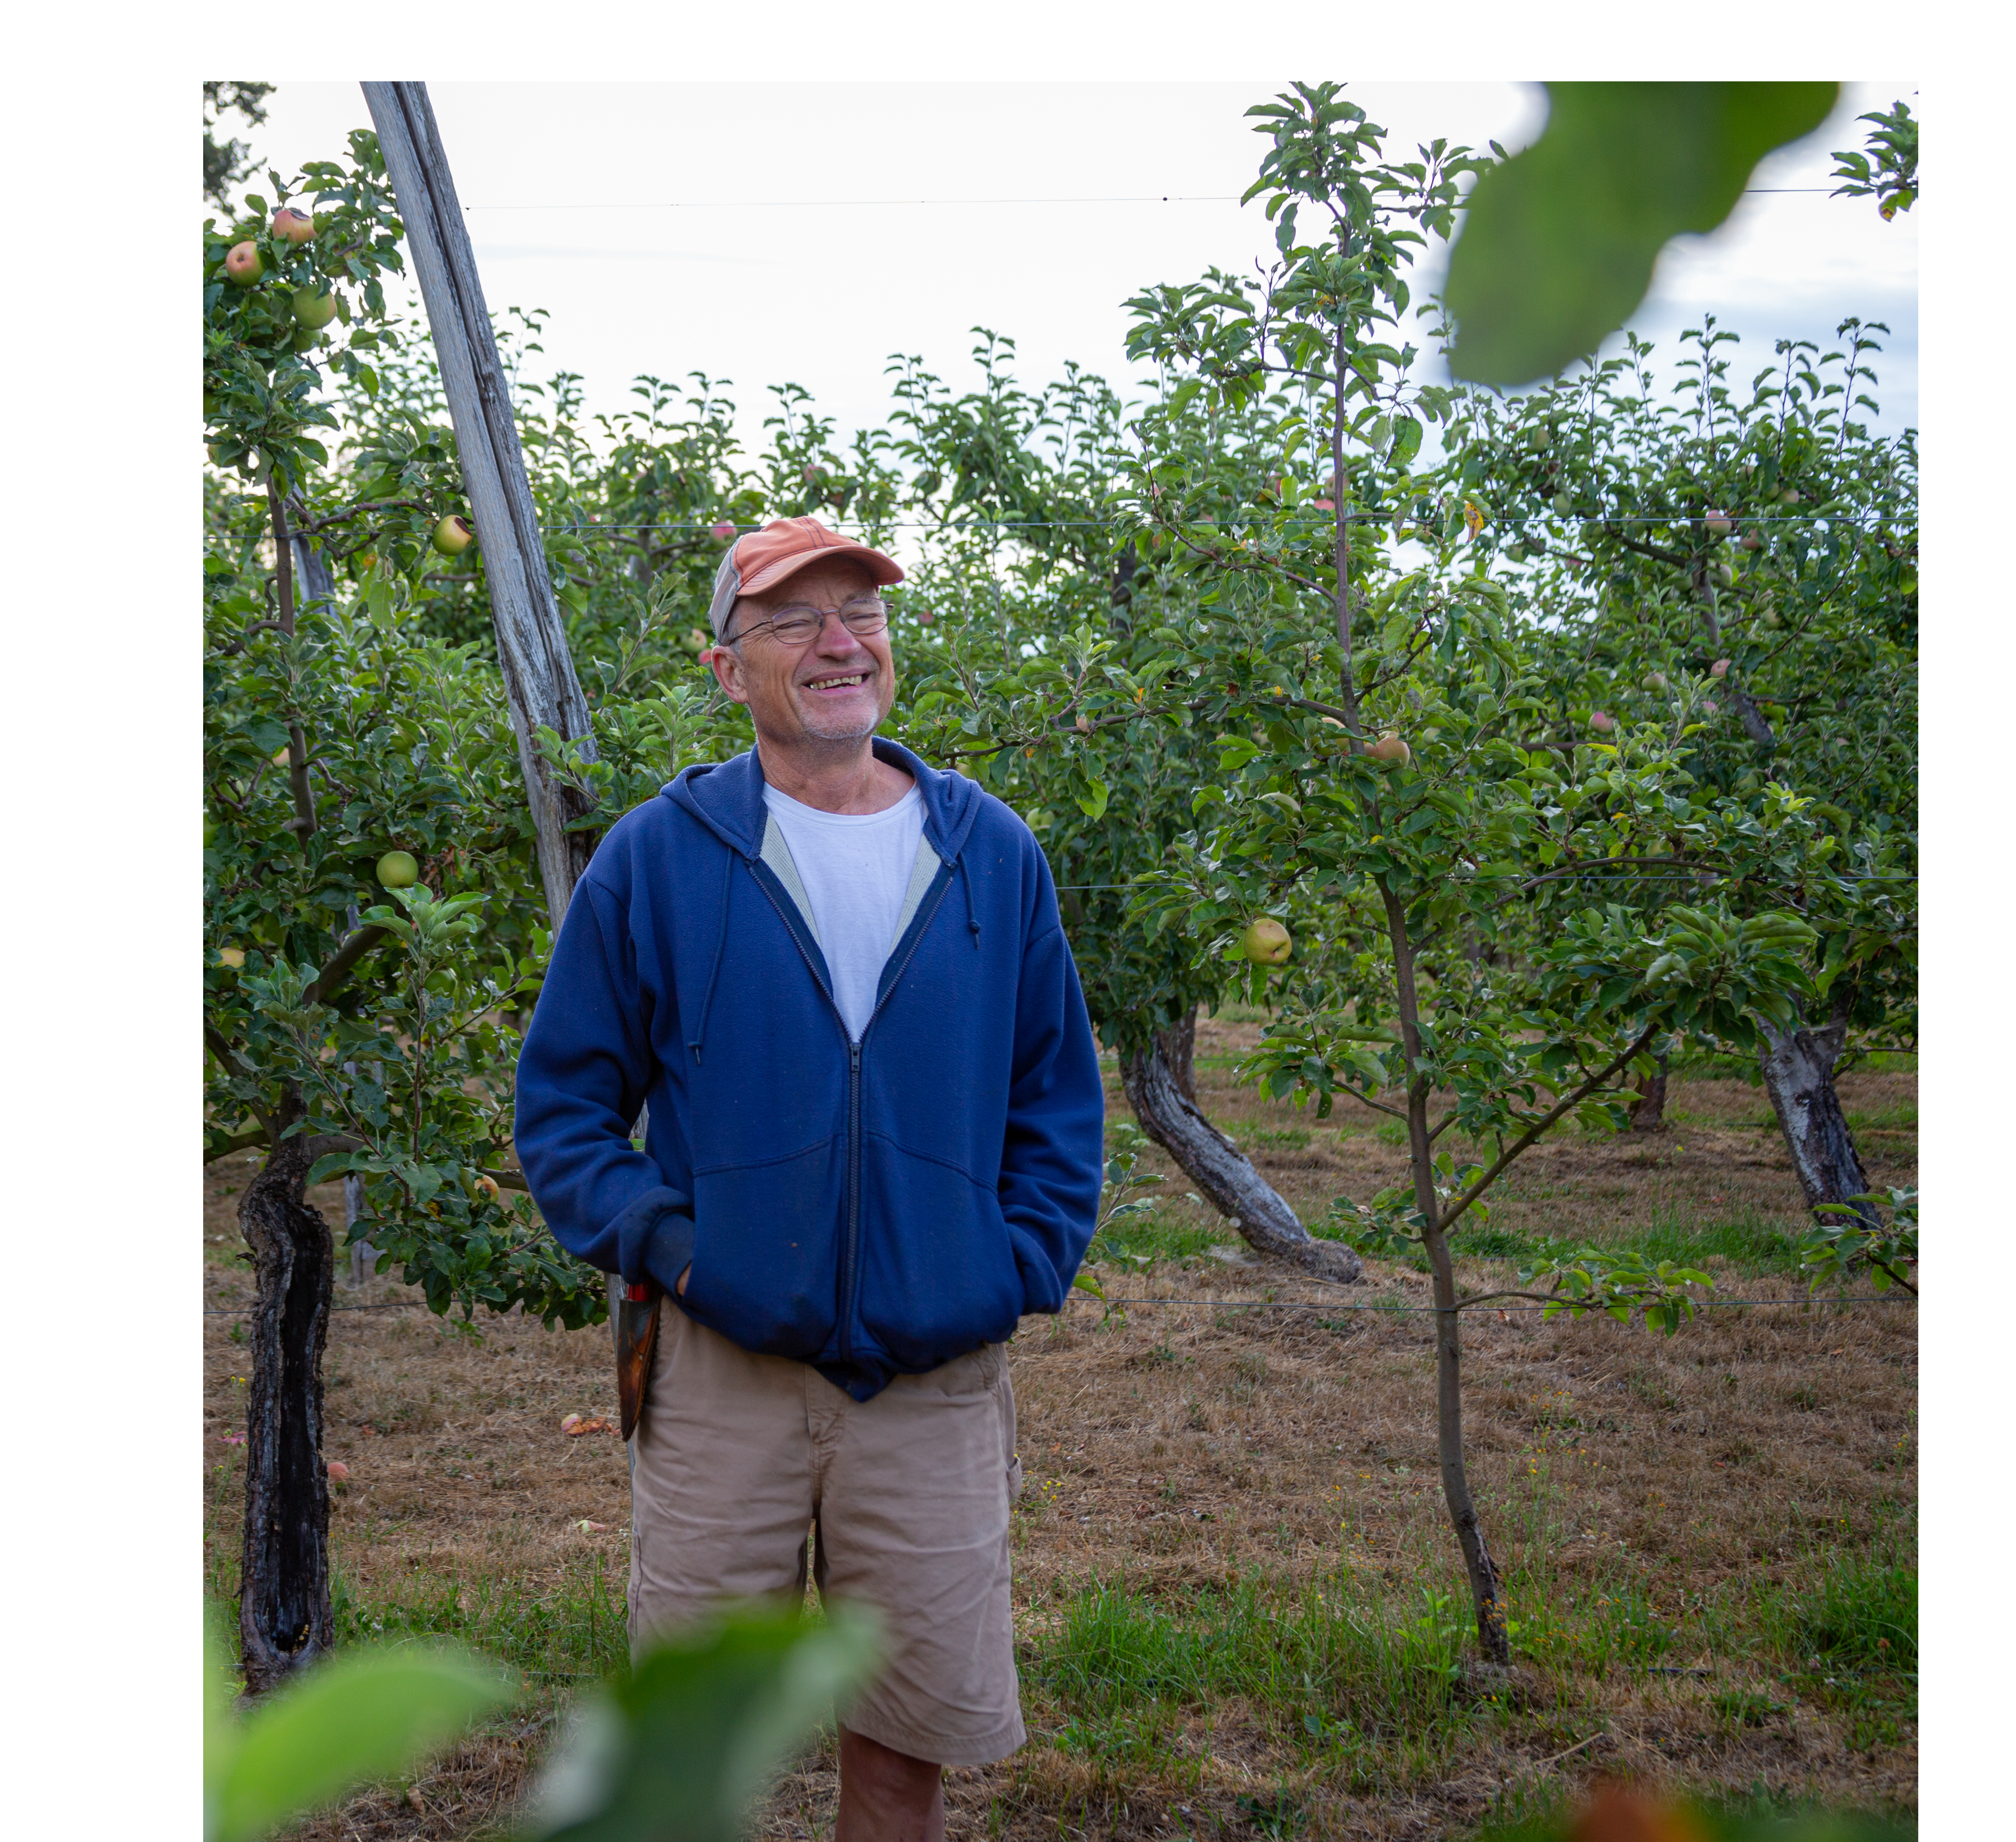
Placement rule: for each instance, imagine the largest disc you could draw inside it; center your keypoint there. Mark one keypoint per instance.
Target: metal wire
(1270, 1305)
(830, 204)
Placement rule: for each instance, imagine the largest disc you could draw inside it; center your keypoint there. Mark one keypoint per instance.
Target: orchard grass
(1238, 1607)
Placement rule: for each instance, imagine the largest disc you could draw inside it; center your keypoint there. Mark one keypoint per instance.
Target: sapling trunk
(1491, 1636)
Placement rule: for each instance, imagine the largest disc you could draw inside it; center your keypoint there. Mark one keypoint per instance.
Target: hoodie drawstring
(720, 946)
(972, 913)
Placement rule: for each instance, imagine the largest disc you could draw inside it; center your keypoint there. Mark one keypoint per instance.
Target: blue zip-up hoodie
(873, 1207)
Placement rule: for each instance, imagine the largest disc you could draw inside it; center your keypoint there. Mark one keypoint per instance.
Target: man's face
(834, 686)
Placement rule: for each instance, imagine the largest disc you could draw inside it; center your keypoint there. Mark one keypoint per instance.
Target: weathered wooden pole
(539, 679)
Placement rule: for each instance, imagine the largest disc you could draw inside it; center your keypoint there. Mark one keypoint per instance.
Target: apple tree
(1383, 779)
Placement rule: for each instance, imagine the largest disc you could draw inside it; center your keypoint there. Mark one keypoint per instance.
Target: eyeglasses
(795, 625)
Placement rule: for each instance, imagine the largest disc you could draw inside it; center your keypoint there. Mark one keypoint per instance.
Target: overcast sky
(804, 233)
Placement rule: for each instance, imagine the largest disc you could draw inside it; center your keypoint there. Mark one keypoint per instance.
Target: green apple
(1725, 576)
(398, 869)
(306, 339)
(313, 307)
(241, 264)
(453, 535)
(1266, 942)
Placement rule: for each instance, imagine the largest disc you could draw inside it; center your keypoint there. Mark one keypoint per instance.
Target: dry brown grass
(1176, 1449)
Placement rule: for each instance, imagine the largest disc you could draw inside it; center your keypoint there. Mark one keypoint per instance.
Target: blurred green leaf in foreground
(1558, 242)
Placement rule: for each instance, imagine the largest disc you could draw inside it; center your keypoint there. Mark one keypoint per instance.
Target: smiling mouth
(846, 681)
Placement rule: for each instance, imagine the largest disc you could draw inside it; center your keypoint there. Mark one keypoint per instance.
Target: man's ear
(727, 665)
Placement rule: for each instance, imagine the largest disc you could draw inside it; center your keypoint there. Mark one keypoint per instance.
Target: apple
(1710, 708)
(241, 264)
(339, 1473)
(1719, 669)
(1564, 502)
(1602, 721)
(296, 227)
(313, 307)
(306, 339)
(1266, 942)
(1790, 496)
(723, 533)
(280, 756)
(568, 1425)
(1390, 750)
(925, 616)
(398, 869)
(1656, 681)
(1538, 436)
(1753, 540)
(1718, 522)
(233, 957)
(1725, 576)
(487, 1187)
(453, 534)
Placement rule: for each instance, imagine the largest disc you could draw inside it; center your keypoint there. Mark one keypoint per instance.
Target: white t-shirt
(856, 869)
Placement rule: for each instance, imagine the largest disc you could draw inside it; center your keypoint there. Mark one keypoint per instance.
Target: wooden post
(539, 678)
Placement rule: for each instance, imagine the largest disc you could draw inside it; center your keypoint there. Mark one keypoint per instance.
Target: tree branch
(1541, 1124)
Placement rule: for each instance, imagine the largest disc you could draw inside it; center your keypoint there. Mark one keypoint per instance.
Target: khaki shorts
(908, 1497)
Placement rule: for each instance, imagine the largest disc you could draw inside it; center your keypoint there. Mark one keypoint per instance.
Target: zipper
(849, 1269)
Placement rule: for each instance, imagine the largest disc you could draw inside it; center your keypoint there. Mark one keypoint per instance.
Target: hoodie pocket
(766, 1252)
(939, 1276)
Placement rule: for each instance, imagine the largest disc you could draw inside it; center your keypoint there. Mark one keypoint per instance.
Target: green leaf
(359, 1716)
(1092, 802)
(1559, 242)
(675, 1753)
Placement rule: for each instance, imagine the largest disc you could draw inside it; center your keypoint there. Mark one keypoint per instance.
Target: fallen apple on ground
(339, 1473)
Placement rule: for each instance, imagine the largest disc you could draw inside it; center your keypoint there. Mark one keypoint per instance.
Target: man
(836, 978)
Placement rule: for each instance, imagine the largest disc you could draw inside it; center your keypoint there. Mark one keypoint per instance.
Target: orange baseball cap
(760, 559)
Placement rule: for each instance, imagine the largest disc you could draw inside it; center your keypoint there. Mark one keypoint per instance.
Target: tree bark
(284, 1619)
(1178, 1045)
(1648, 1111)
(1798, 1065)
(1223, 1172)
(539, 680)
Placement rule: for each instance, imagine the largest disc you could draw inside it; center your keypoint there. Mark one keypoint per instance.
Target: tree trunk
(1797, 1065)
(284, 1620)
(1485, 1595)
(1648, 1111)
(1179, 1046)
(1223, 1172)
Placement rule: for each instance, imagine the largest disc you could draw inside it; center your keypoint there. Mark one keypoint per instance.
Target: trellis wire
(828, 204)
(1254, 1304)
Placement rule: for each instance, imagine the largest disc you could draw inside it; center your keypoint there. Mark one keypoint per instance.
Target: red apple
(723, 533)
(1717, 522)
(339, 1473)
(1719, 669)
(1390, 750)
(1602, 722)
(241, 264)
(296, 227)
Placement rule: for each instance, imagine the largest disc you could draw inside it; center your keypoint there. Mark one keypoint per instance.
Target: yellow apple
(1266, 942)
